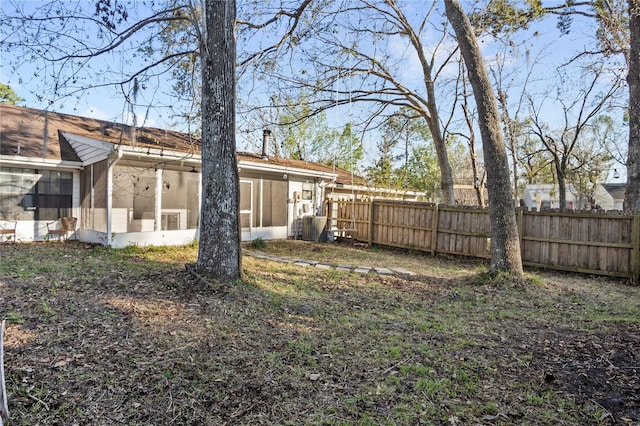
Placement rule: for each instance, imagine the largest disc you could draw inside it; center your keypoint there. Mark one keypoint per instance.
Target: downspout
(111, 161)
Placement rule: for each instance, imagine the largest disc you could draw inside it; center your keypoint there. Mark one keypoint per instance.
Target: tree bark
(219, 255)
(561, 168)
(632, 196)
(505, 245)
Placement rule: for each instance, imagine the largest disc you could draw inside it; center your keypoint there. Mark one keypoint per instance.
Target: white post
(158, 202)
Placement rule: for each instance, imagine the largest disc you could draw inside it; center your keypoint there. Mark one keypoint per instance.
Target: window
(28, 194)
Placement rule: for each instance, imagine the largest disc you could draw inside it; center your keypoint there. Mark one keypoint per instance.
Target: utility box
(313, 228)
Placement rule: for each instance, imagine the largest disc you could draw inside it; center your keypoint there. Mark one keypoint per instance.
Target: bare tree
(579, 116)
(505, 245)
(618, 33)
(356, 52)
(511, 88)
(478, 179)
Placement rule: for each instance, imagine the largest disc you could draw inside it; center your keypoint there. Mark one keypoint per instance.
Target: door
(246, 206)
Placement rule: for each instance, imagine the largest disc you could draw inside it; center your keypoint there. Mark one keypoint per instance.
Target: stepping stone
(304, 264)
(362, 270)
(383, 271)
(343, 268)
(323, 266)
(404, 271)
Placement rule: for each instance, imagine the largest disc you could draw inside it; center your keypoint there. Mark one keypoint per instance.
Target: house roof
(617, 190)
(33, 133)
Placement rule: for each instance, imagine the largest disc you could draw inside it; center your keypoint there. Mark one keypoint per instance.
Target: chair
(7, 230)
(62, 227)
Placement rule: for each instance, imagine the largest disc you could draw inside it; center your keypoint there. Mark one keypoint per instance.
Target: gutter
(266, 167)
(161, 155)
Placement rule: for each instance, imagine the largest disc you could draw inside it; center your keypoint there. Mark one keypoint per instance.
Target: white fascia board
(275, 168)
(362, 188)
(34, 162)
(156, 154)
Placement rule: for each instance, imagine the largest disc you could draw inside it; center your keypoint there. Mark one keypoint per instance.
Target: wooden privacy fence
(594, 243)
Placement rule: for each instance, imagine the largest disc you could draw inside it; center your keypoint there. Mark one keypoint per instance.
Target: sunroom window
(31, 194)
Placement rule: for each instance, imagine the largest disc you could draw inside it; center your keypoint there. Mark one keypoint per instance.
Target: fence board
(607, 244)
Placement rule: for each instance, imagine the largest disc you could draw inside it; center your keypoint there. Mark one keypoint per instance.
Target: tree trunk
(511, 137)
(477, 182)
(219, 255)
(561, 174)
(505, 245)
(562, 191)
(446, 174)
(632, 196)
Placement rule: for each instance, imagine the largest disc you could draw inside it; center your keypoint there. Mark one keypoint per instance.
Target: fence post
(434, 230)
(370, 239)
(519, 219)
(635, 255)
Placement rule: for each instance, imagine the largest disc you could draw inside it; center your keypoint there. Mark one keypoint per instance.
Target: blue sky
(541, 46)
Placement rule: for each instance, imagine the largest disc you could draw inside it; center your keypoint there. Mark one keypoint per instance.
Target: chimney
(266, 135)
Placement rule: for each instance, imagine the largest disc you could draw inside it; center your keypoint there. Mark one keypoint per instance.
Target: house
(610, 196)
(607, 196)
(545, 196)
(129, 185)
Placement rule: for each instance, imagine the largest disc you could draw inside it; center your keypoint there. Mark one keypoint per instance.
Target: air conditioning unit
(313, 228)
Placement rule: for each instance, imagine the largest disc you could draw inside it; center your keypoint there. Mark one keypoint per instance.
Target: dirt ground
(95, 336)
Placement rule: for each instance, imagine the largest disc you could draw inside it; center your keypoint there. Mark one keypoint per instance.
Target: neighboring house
(610, 196)
(545, 196)
(142, 186)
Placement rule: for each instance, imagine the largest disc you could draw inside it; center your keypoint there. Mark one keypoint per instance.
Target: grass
(101, 336)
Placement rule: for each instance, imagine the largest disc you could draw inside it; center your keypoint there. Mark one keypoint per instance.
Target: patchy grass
(100, 336)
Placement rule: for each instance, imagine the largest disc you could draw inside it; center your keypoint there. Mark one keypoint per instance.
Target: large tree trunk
(219, 255)
(505, 245)
(632, 197)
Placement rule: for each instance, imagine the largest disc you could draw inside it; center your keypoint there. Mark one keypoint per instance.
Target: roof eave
(160, 155)
(276, 168)
(20, 161)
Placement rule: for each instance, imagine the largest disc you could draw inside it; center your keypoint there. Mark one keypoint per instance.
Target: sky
(541, 45)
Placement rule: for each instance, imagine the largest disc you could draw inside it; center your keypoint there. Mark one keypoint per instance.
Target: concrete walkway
(320, 265)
